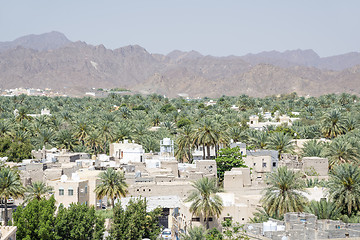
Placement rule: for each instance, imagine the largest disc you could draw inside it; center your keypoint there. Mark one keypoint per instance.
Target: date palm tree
(81, 130)
(281, 142)
(284, 193)
(313, 148)
(324, 209)
(333, 124)
(10, 186)
(37, 190)
(204, 200)
(341, 151)
(258, 139)
(185, 142)
(344, 187)
(65, 139)
(206, 135)
(195, 233)
(112, 185)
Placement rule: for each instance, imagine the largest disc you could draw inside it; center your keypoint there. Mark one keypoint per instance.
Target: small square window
(274, 164)
(70, 192)
(264, 164)
(61, 192)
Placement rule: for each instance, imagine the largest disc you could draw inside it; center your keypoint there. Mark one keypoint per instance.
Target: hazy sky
(215, 27)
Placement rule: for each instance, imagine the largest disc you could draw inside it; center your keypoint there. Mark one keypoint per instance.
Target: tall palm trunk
(6, 212)
(208, 151)
(189, 155)
(203, 151)
(207, 223)
(113, 202)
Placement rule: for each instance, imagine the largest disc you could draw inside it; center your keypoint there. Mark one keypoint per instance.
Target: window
(210, 219)
(85, 189)
(274, 164)
(264, 164)
(195, 219)
(70, 192)
(61, 191)
(227, 218)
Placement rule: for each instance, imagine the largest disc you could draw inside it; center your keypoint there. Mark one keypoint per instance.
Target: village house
(8, 232)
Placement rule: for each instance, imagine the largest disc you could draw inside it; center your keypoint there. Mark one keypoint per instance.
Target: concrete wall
(319, 165)
(236, 179)
(260, 165)
(66, 158)
(173, 165)
(8, 232)
(151, 189)
(80, 191)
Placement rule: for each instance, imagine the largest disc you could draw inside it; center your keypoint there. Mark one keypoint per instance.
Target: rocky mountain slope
(52, 61)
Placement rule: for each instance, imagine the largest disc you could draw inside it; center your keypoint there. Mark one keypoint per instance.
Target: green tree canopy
(227, 159)
(78, 222)
(36, 220)
(112, 185)
(344, 187)
(203, 198)
(284, 193)
(10, 186)
(135, 222)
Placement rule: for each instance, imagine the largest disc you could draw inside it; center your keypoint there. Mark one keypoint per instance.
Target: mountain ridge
(78, 66)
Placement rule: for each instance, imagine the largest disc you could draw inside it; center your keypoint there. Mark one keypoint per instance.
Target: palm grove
(91, 124)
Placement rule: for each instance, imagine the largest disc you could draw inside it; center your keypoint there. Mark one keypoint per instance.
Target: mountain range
(50, 60)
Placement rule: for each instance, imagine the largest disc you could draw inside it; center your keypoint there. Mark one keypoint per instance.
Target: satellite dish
(63, 178)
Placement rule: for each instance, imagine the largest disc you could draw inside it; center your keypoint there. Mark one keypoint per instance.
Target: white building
(127, 151)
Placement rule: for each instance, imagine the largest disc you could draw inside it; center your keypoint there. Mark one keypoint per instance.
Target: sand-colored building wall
(151, 189)
(315, 166)
(236, 179)
(93, 180)
(80, 191)
(8, 232)
(173, 165)
(260, 165)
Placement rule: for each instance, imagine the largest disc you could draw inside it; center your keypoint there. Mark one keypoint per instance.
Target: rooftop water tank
(166, 141)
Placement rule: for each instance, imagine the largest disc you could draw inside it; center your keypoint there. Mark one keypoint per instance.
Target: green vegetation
(324, 209)
(37, 220)
(135, 222)
(284, 193)
(119, 90)
(231, 231)
(344, 187)
(112, 185)
(10, 186)
(227, 159)
(37, 190)
(204, 200)
(91, 124)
